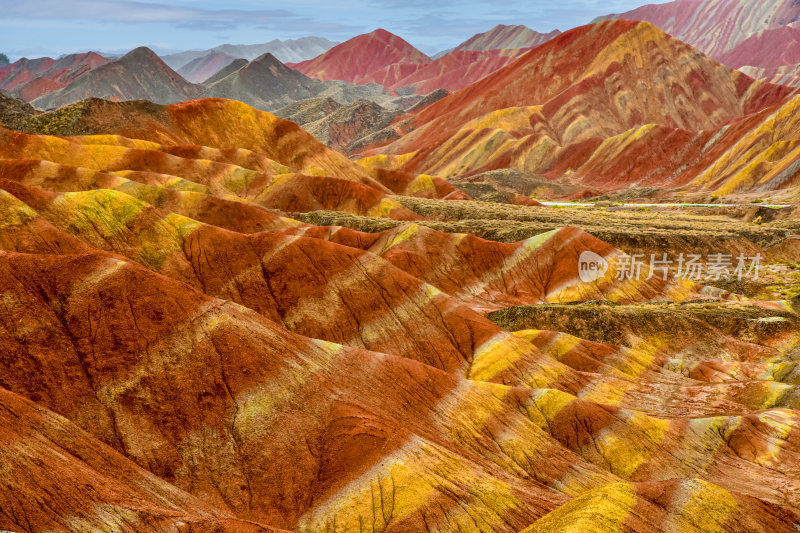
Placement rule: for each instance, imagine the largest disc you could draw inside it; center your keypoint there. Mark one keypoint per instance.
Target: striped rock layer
(220, 145)
(377, 57)
(503, 37)
(611, 105)
(783, 75)
(31, 78)
(716, 26)
(176, 356)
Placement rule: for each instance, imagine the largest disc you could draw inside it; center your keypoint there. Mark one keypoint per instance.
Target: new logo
(591, 266)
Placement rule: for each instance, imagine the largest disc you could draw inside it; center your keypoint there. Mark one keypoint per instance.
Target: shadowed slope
(200, 69)
(264, 83)
(58, 477)
(30, 79)
(138, 75)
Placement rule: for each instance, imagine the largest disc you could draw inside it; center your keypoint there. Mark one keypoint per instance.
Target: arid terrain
(541, 282)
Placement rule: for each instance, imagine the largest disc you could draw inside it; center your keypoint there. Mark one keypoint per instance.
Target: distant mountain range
(381, 57)
(290, 50)
(264, 83)
(32, 78)
(200, 69)
(384, 68)
(138, 75)
(376, 57)
(609, 104)
(506, 37)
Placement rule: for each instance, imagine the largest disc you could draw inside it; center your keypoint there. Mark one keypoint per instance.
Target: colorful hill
(363, 357)
(31, 78)
(256, 155)
(503, 37)
(200, 69)
(767, 49)
(377, 57)
(212, 322)
(716, 26)
(138, 75)
(576, 107)
(285, 50)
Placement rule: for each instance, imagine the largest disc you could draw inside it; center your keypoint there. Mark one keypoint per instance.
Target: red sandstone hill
(503, 37)
(202, 68)
(113, 293)
(203, 363)
(715, 26)
(59, 476)
(770, 48)
(32, 78)
(22, 71)
(580, 100)
(138, 75)
(377, 57)
(457, 69)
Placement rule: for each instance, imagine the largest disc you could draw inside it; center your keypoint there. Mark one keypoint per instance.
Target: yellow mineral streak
(413, 478)
(101, 212)
(395, 237)
(423, 183)
(702, 507)
(383, 209)
(526, 249)
(14, 212)
(781, 422)
(507, 353)
(602, 510)
(386, 162)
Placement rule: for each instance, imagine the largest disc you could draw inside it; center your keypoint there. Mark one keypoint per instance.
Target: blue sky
(52, 27)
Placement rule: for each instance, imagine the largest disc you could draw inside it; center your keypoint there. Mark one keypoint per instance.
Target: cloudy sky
(52, 27)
